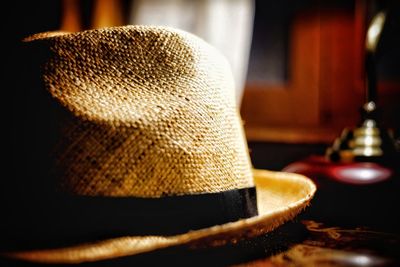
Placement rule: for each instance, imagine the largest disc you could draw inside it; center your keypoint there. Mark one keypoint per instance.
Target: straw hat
(149, 150)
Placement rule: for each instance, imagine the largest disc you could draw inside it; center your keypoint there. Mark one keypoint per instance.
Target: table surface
(335, 246)
(346, 225)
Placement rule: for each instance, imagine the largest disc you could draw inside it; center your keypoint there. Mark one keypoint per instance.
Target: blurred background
(298, 65)
(300, 73)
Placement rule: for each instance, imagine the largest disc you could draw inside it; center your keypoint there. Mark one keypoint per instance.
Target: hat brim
(280, 197)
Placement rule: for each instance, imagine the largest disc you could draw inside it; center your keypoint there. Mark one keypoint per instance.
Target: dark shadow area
(276, 156)
(242, 251)
(335, 203)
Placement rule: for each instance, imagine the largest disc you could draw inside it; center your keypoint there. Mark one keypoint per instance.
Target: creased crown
(149, 112)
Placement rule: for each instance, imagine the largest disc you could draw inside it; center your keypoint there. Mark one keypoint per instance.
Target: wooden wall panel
(325, 89)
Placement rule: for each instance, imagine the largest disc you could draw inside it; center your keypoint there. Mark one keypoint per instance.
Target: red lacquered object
(352, 194)
(355, 173)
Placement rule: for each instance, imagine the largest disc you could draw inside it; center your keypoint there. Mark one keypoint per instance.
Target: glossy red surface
(357, 173)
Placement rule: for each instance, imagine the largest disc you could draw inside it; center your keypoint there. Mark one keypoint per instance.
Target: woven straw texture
(150, 112)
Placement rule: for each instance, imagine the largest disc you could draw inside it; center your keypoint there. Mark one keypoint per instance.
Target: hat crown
(149, 112)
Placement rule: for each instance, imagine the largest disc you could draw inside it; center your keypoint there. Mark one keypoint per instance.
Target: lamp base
(356, 173)
(352, 194)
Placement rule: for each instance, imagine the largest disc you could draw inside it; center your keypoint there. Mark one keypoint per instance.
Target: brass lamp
(369, 141)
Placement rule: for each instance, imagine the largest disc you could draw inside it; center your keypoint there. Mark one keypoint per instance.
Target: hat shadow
(229, 254)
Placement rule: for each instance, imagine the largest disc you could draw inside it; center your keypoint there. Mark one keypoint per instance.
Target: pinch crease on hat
(147, 118)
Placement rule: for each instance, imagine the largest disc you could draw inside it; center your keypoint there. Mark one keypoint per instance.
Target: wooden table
(346, 225)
